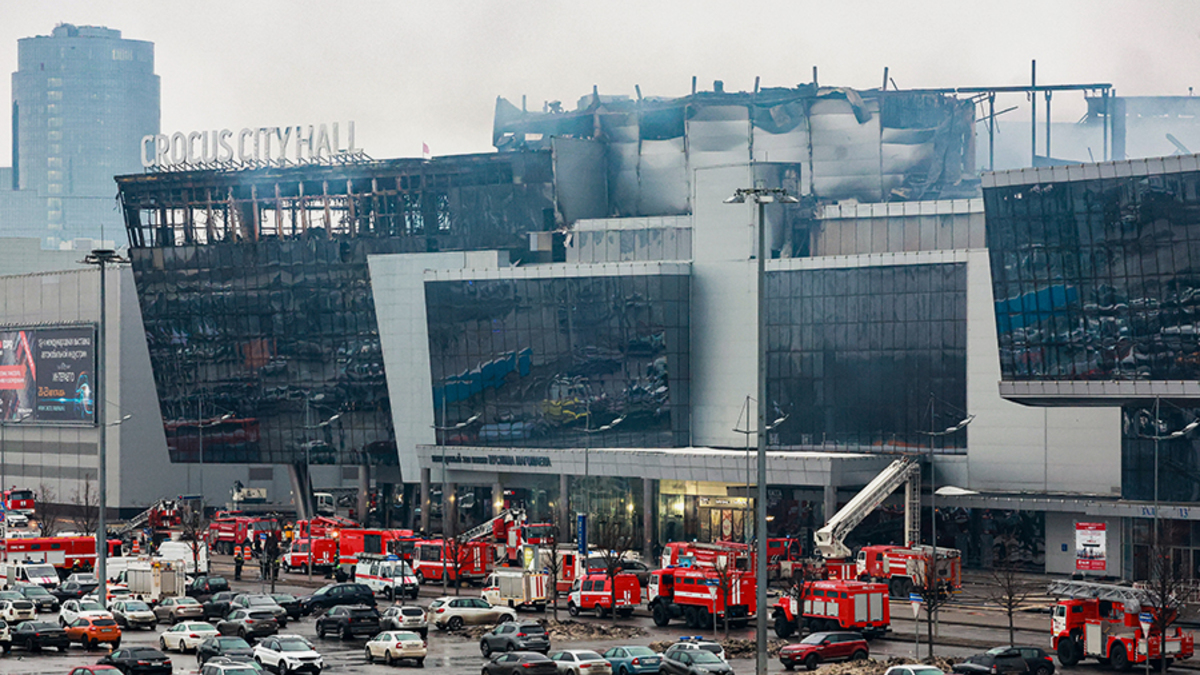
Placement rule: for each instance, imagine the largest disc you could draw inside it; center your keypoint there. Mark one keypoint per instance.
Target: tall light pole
(747, 432)
(201, 425)
(933, 492)
(587, 474)
(102, 257)
(1156, 438)
(761, 196)
(445, 499)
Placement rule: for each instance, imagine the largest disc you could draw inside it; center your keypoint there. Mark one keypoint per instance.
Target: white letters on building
(278, 146)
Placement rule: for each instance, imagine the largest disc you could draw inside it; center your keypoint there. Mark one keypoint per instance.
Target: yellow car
(393, 646)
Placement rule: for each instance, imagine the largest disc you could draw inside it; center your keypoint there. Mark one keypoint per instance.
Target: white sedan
(185, 636)
(396, 645)
(580, 662)
(288, 654)
(73, 610)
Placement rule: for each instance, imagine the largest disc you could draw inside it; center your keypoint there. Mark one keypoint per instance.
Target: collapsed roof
(871, 145)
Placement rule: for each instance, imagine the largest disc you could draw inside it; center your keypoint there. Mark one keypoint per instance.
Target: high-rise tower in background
(83, 98)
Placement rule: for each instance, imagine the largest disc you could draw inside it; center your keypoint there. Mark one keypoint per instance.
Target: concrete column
(450, 510)
(831, 499)
(564, 507)
(648, 503)
(364, 493)
(425, 500)
(298, 476)
(497, 498)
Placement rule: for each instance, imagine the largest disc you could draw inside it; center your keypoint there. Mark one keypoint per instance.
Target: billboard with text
(48, 375)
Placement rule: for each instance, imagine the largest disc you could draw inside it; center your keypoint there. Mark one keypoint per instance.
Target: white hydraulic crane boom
(904, 471)
(516, 515)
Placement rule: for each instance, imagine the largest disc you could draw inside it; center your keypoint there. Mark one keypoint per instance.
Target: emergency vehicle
(19, 500)
(323, 526)
(835, 605)
(1102, 621)
(594, 592)
(387, 575)
(570, 564)
(324, 555)
(516, 588)
(151, 580)
(23, 572)
(352, 542)
(783, 555)
(64, 553)
(694, 594)
(229, 529)
(431, 560)
(903, 568)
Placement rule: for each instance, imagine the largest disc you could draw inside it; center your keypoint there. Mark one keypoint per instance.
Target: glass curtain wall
(863, 357)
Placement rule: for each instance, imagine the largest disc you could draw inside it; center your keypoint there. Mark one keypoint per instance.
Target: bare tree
(455, 552)
(1008, 590)
(1167, 591)
(193, 525)
(46, 511)
(86, 501)
(613, 539)
(727, 576)
(553, 564)
(935, 590)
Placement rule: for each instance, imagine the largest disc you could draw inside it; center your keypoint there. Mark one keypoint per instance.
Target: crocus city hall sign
(278, 146)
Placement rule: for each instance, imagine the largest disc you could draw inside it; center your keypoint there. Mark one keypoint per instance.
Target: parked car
(73, 589)
(262, 602)
(91, 631)
(205, 585)
(693, 662)
(248, 623)
(133, 614)
(75, 609)
(42, 599)
(33, 636)
(174, 610)
(1011, 659)
(288, 654)
(337, 594)
(223, 666)
(138, 661)
(186, 635)
(16, 611)
(405, 617)
(289, 602)
(84, 578)
(524, 663)
(580, 662)
(112, 593)
(914, 669)
(222, 645)
(698, 642)
(5, 637)
(348, 621)
(14, 519)
(94, 670)
(453, 613)
(821, 647)
(392, 647)
(510, 636)
(218, 604)
(633, 660)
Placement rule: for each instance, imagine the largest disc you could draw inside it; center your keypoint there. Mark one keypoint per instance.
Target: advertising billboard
(1091, 547)
(48, 375)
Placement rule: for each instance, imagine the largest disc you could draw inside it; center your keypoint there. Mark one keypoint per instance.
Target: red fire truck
(324, 555)
(903, 567)
(323, 526)
(434, 557)
(352, 542)
(229, 529)
(19, 500)
(62, 552)
(783, 554)
(594, 592)
(694, 594)
(835, 605)
(1102, 621)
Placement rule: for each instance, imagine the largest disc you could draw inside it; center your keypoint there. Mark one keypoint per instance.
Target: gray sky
(409, 72)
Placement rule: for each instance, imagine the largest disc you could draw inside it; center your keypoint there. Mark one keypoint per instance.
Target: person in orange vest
(237, 563)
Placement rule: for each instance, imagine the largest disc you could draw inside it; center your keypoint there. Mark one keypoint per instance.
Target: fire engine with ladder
(475, 554)
(1116, 625)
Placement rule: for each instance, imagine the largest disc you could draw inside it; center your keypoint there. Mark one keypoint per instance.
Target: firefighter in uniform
(237, 562)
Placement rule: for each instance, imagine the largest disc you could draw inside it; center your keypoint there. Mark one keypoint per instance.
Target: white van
(182, 551)
(13, 574)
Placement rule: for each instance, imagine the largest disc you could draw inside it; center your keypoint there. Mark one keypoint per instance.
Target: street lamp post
(587, 474)
(445, 499)
(201, 425)
(308, 497)
(761, 196)
(102, 257)
(747, 432)
(962, 424)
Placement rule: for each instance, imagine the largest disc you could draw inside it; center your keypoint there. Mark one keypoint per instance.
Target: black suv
(348, 621)
(203, 587)
(1013, 660)
(337, 594)
(526, 636)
